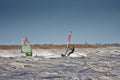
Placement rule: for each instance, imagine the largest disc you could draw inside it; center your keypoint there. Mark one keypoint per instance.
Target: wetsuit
(72, 51)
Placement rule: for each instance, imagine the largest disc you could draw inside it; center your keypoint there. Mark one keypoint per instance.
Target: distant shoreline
(54, 46)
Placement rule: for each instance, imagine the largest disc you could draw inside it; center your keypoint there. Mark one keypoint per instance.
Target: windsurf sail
(26, 47)
(69, 38)
(68, 42)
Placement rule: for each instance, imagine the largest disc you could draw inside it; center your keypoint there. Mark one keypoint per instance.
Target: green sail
(26, 49)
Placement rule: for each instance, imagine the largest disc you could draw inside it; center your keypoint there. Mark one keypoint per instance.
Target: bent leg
(69, 53)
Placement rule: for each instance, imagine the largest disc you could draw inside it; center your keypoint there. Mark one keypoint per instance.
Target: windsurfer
(72, 49)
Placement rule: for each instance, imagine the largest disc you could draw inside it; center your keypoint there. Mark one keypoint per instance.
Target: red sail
(69, 37)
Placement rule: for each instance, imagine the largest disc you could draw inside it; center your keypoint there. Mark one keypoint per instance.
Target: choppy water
(98, 64)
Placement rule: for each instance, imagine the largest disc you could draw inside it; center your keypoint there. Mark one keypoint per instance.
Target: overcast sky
(49, 21)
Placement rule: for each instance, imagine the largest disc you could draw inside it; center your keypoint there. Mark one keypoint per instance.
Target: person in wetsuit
(71, 51)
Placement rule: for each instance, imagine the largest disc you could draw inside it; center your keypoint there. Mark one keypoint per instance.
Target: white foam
(55, 53)
(10, 53)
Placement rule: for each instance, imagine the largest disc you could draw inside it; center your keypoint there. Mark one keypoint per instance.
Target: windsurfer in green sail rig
(26, 47)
